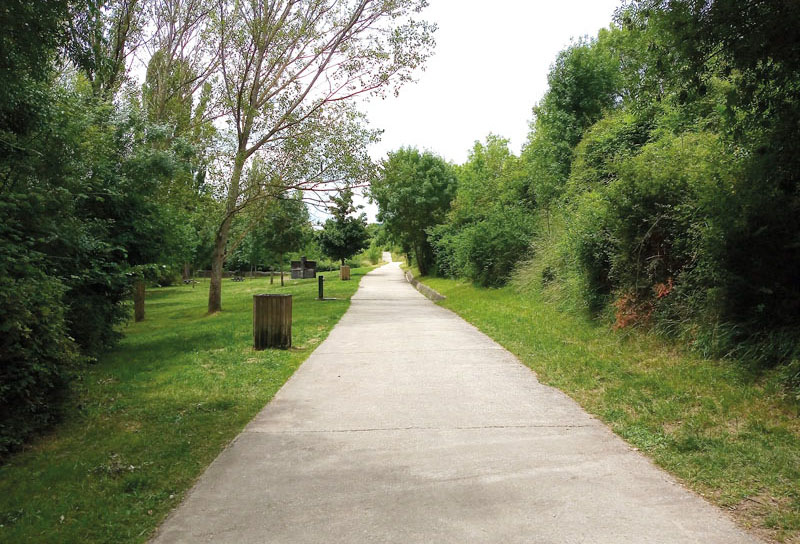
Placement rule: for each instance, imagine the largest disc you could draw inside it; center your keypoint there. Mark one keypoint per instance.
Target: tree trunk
(281, 265)
(187, 271)
(421, 261)
(217, 260)
(221, 240)
(271, 275)
(138, 301)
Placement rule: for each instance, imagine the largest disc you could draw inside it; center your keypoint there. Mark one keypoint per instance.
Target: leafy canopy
(413, 192)
(344, 235)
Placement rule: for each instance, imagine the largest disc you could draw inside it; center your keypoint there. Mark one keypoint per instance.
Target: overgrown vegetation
(658, 186)
(144, 421)
(140, 141)
(344, 234)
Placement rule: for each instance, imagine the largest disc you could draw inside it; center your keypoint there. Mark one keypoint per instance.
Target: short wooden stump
(344, 272)
(272, 321)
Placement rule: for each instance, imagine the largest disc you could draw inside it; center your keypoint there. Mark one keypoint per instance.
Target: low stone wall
(422, 288)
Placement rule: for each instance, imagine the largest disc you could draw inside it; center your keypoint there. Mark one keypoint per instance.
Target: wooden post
(344, 272)
(138, 300)
(272, 321)
(321, 281)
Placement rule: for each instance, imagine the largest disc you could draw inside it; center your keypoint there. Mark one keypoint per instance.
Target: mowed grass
(146, 420)
(720, 428)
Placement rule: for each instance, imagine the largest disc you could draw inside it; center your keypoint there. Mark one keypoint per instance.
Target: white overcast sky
(489, 68)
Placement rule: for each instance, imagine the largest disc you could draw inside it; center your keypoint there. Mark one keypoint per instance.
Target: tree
(286, 227)
(344, 235)
(37, 353)
(489, 227)
(104, 35)
(491, 175)
(583, 85)
(287, 72)
(77, 179)
(175, 99)
(413, 192)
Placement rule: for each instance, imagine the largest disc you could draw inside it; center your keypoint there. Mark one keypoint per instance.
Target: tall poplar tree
(287, 72)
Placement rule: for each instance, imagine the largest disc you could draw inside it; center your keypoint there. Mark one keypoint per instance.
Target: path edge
(432, 294)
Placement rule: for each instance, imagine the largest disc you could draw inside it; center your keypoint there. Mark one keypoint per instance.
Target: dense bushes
(681, 207)
(654, 234)
(84, 185)
(489, 226)
(36, 353)
(487, 250)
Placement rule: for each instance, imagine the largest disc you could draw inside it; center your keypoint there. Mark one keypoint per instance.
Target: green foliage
(492, 175)
(584, 84)
(751, 48)
(611, 140)
(665, 210)
(80, 180)
(272, 231)
(489, 228)
(108, 219)
(374, 251)
(668, 149)
(413, 193)
(83, 210)
(486, 250)
(36, 354)
(344, 235)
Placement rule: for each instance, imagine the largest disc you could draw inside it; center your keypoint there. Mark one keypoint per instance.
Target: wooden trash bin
(272, 321)
(344, 272)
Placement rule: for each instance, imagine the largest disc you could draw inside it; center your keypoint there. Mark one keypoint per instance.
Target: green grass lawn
(726, 432)
(146, 420)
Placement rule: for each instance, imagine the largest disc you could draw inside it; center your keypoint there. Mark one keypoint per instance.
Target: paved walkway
(407, 425)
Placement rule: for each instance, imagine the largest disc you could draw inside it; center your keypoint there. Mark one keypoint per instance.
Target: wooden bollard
(138, 301)
(344, 272)
(272, 321)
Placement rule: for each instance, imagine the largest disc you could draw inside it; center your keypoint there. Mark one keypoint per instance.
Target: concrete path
(407, 425)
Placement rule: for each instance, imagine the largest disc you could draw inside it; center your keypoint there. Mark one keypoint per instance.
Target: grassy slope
(154, 412)
(711, 423)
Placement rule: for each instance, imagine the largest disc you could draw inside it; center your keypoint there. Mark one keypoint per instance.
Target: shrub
(37, 355)
(488, 250)
(607, 143)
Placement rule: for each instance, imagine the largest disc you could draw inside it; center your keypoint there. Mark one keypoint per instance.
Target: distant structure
(304, 269)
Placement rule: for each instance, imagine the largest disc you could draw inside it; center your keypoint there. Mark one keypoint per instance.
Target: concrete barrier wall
(424, 289)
